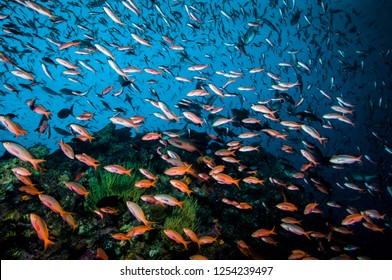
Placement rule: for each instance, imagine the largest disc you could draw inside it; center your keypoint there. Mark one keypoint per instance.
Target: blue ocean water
(344, 44)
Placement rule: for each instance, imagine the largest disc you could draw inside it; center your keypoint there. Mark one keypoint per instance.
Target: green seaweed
(105, 184)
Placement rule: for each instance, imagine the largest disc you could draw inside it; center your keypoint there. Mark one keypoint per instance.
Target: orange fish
(175, 236)
(30, 190)
(181, 186)
(253, 180)
(269, 240)
(217, 169)
(71, 221)
(225, 179)
(20, 152)
(313, 133)
(101, 254)
(244, 248)
(118, 169)
(21, 171)
(85, 116)
(40, 9)
(352, 219)
(152, 136)
(121, 236)
(78, 188)
(295, 229)
(138, 230)
(224, 152)
(298, 255)
(198, 257)
(138, 213)
(207, 240)
(168, 200)
(287, 206)
(290, 220)
(68, 45)
(311, 208)
(25, 180)
(372, 227)
(100, 214)
(87, 160)
(83, 133)
(193, 118)
(274, 133)
(244, 206)
(53, 204)
(183, 144)
(178, 170)
(263, 232)
(192, 235)
(148, 174)
(145, 184)
(342, 230)
(109, 210)
(41, 110)
(124, 122)
(41, 229)
(12, 126)
(150, 199)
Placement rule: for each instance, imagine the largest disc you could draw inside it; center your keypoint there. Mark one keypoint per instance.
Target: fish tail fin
(95, 165)
(128, 172)
(136, 126)
(90, 138)
(177, 118)
(190, 191)
(307, 234)
(64, 214)
(35, 163)
(71, 110)
(188, 168)
(47, 114)
(236, 182)
(23, 132)
(186, 244)
(47, 243)
(180, 203)
(68, 218)
(149, 224)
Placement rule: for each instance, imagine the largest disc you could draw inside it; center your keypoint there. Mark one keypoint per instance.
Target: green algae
(105, 184)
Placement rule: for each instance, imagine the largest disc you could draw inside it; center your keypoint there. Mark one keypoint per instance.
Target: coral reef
(203, 212)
